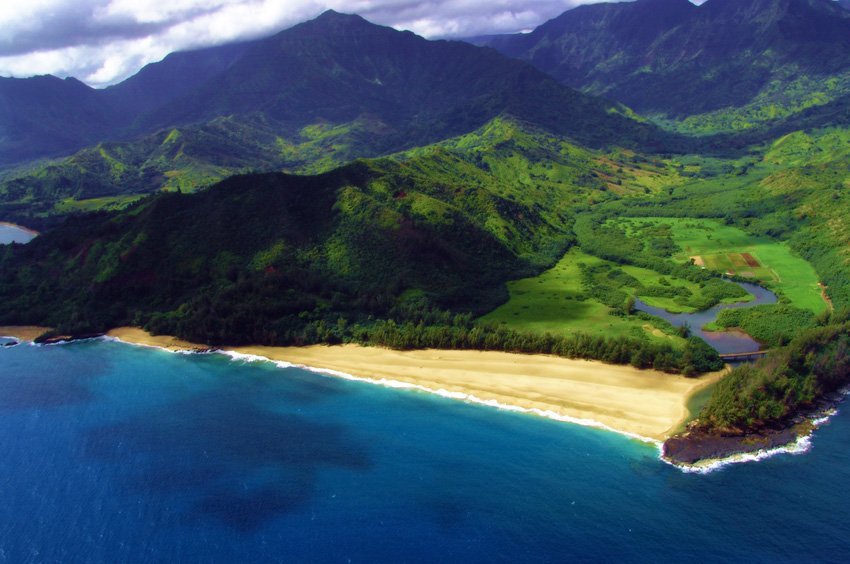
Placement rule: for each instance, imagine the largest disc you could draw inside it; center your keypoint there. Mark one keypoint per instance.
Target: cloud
(104, 41)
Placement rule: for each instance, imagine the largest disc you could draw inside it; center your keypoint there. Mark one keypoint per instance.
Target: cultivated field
(724, 248)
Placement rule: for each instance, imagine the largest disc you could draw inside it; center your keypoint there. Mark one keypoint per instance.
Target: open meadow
(724, 248)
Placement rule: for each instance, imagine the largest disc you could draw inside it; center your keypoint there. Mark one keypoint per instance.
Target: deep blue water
(113, 453)
(11, 234)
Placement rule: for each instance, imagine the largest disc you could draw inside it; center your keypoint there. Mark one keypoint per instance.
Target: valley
(318, 187)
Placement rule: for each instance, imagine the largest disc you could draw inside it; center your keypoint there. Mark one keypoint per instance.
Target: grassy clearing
(728, 249)
(556, 302)
(650, 278)
(70, 205)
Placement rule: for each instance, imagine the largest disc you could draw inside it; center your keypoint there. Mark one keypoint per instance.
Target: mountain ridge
(678, 59)
(334, 69)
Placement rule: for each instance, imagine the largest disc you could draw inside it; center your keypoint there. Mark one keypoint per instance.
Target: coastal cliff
(772, 404)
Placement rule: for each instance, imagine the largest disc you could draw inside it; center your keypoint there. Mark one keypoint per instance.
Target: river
(725, 342)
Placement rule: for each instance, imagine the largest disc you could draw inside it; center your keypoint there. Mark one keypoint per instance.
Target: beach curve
(645, 404)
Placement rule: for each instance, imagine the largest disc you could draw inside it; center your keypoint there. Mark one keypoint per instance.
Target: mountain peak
(673, 3)
(333, 15)
(334, 18)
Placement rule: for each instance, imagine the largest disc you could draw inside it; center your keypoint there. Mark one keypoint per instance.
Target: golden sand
(643, 403)
(138, 336)
(23, 332)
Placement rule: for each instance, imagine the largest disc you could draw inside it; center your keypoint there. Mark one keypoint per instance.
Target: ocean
(116, 453)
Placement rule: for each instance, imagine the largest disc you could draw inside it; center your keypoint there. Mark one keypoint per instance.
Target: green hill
(195, 157)
(306, 100)
(403, 251)
(331, 72)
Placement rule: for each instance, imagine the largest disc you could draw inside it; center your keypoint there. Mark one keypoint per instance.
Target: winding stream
(724, 342)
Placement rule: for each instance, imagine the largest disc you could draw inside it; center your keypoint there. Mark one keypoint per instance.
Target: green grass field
(70, 205)
(651, 278)
(555, 302)
(729, 249)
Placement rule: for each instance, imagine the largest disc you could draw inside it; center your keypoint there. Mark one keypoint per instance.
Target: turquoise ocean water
(115, 453)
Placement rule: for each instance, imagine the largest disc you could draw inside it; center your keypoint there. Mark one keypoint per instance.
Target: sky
(101, 42)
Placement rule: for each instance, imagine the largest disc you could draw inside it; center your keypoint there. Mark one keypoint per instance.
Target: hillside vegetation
(403, 252)
(265, 103)
(727, 65)
(194, 158)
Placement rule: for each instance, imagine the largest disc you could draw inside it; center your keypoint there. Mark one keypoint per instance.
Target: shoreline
(643, 404)
(700, 452)
(522, 394)
(23, 332)
(32, 232)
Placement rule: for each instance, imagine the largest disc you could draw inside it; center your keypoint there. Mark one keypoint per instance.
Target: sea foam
(448, 394)
(800, 446)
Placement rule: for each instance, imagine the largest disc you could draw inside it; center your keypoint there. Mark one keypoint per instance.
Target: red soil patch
(751, 261)
(737, 259)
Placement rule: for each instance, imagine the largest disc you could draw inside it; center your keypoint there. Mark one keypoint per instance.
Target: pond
(11, 233)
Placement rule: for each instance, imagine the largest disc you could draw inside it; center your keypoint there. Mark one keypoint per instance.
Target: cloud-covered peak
(104, 41)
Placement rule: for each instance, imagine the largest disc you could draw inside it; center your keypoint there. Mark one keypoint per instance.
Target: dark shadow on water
(41, 392)
(56, 379)
(245, 463)
(447, 514)
(248, 511)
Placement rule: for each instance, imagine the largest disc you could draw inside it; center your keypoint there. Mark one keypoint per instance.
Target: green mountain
(764, 59)
(338, 68)
(307, 100)
(334, 70)
(48, 116)
(360, 240)
(401, 251)
(177, 75)
(45, 116)
(185, 159)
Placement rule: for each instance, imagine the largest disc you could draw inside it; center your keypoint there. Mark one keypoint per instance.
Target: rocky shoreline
(50, 339)
(696, 448)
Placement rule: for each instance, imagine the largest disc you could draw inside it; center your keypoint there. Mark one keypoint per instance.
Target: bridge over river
(743, 356)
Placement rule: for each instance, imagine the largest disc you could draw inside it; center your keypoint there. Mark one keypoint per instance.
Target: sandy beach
(138, 336)
(23, 332)
(643, 403)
